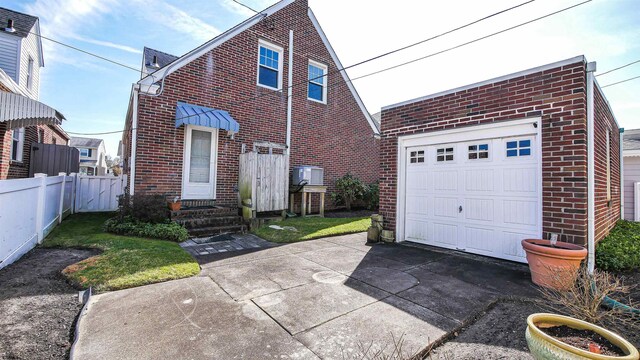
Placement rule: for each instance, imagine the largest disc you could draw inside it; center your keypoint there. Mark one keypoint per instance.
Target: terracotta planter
(174, 206)
(553, 267)
(543, 346)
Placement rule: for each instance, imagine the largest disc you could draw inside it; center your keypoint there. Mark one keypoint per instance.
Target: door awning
(20, 111)
(187, 114)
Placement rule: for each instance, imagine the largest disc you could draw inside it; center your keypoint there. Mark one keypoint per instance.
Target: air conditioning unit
(312, 175)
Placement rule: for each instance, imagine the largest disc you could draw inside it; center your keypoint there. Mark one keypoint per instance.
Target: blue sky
(94, 94)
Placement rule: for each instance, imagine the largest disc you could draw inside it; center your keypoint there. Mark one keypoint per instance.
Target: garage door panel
(479, 239)
(520, 180)
(417, 179)
(480, 179)
(444, 234)
(445, 180)
(417, 230)
(445, 207)
(511, 243)
(520, 212)
(419, 206)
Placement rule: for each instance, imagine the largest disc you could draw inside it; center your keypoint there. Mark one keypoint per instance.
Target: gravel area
(38, 306)
(497, 334)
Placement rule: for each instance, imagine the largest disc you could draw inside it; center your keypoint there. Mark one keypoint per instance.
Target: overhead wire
(619, 67)
(622, 81)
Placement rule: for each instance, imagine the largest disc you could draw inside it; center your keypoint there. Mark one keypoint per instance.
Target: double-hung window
(317, 88)
(85, 152)
(269, 65)
(17, 143)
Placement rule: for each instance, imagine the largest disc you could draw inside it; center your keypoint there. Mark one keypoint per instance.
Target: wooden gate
(264, 179)
(53, 159)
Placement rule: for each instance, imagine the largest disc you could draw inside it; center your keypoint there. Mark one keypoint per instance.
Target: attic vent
(10, 27)
(154, 64)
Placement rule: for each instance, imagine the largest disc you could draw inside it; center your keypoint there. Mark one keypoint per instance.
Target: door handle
(460, 208)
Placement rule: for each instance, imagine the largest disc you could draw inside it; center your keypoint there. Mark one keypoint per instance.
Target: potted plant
(175, 204)
(553, 264)
(551, 336)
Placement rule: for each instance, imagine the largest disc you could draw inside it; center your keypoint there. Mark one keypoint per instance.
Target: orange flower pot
(553, 267)
(174, 206)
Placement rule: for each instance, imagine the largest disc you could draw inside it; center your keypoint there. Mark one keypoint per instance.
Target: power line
(618, 68)
(246, 6)
(622, 81)
(102, 133)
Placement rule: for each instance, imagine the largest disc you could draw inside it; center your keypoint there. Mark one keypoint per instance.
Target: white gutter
(289, 91)
(591, 206)
(621, 173)
(134, 135)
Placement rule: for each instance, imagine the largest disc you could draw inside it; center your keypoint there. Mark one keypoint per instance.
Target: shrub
(372, 197)
(349, 189)
(620, 250)
(129, 226)
(143, 208)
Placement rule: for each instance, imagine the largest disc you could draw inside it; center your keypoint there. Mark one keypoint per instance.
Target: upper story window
(85, 152)
(269, 65)
(17, 144)
(30, 74)
(317, 89)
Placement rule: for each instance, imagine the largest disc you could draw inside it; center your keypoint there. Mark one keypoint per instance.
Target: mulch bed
(343, 213)
(632, 279)
(38, 306)
(583, 339)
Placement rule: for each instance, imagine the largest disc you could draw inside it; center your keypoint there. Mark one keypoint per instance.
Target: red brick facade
(558, 96)
(20, 169)
(335, 136)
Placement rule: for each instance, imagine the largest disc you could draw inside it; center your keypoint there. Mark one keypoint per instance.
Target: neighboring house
(92, 155)
(235, 90)
(482, 167)
(631, 174)
(23, 120)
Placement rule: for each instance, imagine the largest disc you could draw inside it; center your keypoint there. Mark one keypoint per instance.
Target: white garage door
(479, 196)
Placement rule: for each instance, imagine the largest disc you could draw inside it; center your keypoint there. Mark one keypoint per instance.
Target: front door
(199, 173)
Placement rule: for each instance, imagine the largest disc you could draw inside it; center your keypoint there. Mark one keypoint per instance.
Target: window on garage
(518, 148)
(444, 154)
(478, 151)
(416, 156)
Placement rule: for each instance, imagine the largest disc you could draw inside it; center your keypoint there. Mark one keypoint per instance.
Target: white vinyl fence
(31, 208)
(636, 201)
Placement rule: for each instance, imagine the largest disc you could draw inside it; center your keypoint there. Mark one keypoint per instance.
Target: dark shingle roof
(163, 58)
(23, 23)
(85, 142)
(631, 139)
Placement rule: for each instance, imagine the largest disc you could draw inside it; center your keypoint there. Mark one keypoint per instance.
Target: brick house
(481, 167)
(23, 120)
(238, 85)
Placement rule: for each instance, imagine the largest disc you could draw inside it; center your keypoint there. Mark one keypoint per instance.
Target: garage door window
(444, 154)
(518, 148)
(480, 151)
(417, 157)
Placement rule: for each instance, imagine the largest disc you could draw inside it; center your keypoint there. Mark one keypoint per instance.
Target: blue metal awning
(187, 114)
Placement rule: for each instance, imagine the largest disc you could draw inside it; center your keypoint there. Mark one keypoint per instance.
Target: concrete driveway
(330, 298)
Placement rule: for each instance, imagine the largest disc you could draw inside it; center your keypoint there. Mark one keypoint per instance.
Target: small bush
(620, 250)
(349, 189)
(143, 208)
(129, 226)
(372, 197)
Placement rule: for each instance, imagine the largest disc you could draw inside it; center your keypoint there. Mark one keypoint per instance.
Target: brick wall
(556, 95)
(607, 210)
(335, 136)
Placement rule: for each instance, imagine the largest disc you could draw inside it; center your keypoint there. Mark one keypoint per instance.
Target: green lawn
(312, 228)
(125, 261)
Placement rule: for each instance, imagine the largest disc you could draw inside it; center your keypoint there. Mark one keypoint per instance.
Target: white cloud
(234, 7)
(178, 20)
(108, 44)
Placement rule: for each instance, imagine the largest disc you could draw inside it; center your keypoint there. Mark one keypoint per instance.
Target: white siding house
(92, 155)
(631, 175)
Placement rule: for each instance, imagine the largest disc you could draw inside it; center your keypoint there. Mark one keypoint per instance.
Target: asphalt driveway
(330, 298)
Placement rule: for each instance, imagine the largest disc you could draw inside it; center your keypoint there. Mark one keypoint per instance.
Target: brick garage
(553, 97)
(336, 136)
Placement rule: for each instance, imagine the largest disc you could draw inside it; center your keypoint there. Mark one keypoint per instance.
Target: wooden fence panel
(53, 159)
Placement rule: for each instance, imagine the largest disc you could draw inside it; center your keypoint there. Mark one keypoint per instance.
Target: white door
(479, 196)
(199, 172)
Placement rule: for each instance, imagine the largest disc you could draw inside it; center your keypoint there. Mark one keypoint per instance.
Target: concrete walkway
(328, 298)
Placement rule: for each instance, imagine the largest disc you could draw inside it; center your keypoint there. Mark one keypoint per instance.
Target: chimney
(9, 27)
(154, 64)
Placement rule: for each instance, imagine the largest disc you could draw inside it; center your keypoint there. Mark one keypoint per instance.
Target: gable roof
(148, 81)
(85, 142)
(377, 119)
(163, 59)
(23, 23)
(631, 139)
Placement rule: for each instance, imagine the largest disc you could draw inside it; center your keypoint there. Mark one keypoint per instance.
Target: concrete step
(203, 213)
(213, 221)
(217, 230)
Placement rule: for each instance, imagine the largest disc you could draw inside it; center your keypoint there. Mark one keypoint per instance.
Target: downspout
(134, 138)
(591, 206)
(289, 92)
(621, 173)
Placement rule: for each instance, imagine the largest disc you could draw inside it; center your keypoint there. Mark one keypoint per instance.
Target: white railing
(31, 208)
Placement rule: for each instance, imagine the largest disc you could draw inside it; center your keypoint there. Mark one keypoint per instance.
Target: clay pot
(543, 346)
(553, 267)
(174, 206)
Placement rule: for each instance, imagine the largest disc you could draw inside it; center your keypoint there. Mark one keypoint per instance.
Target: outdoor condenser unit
(312, 175)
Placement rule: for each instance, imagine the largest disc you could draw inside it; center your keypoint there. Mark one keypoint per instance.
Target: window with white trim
(517, 148)
(269, 65)
(317, 88)
(17, 144)
(478, 151)
(85, 152)
(416, 157)
(444, 154)
(30, 73)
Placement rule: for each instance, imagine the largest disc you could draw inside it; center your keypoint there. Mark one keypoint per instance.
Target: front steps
(209, 221)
